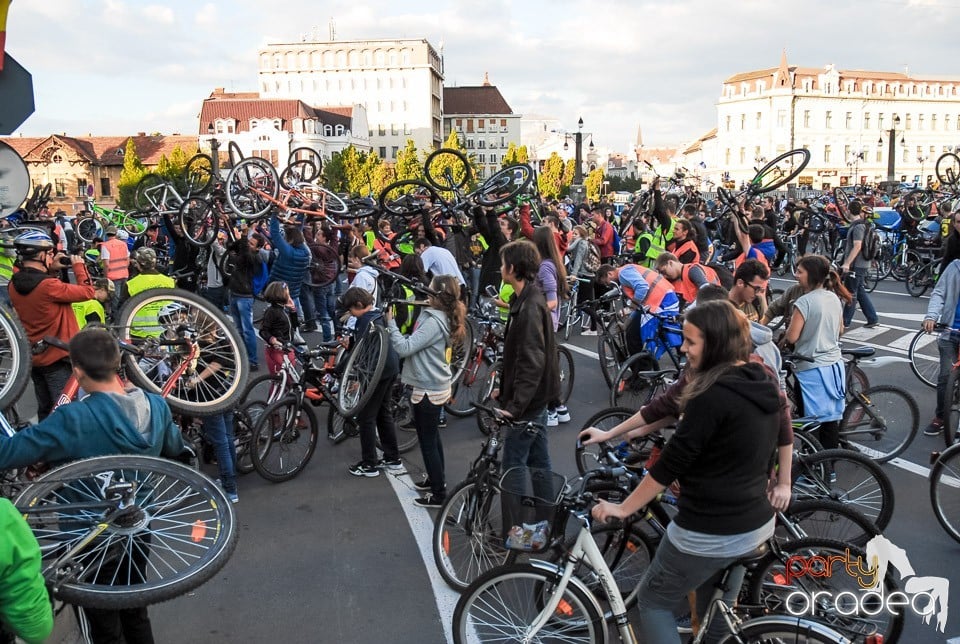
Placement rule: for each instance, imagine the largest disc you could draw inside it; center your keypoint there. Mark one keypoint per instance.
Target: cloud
(207, 15)
(158, 13)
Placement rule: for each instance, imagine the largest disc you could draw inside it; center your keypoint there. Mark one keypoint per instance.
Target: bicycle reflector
(199, 531)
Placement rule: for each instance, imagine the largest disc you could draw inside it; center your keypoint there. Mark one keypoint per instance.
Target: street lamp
(892, 148)
(578, 142)
(922, 159)
(214, 153)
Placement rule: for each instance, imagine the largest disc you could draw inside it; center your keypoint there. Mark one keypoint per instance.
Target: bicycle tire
(504, 185)
(630, 389)
(199, 221)
(458, 166)
(945, 491)
(859, 482)
(951, 403)
(886, 414)
(304, 165)
(88, 228)
(188, 516)
(768, 585)
(872, 277)
(885, 261)
(330, 202)
(244, 421)
(135, 222)
(142, 199)
(408, 202)
(252, 188)
(198, 174)
(362, 372)
(526, 585)
(461, 350)
(925, 366)
(918, 282)
(758, 186)
(589, 457)
(610, 364)
(402, 411)
(825, 519)
(15, 358)
(470, 388)
(784, 628)
(152, 371)
(468, 533)
(254, 391)
(234, 154)
(279, 431)
(486, 423)
(947, 169)
(566, 373)
(842, 200)
(902, 268)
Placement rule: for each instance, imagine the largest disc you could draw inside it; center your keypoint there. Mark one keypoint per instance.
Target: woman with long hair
(814, 331)
(721, 455)
(552, 279)
(426, 369)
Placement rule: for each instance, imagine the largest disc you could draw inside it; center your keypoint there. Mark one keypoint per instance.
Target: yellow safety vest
(144, 323)
(506, 292)
(658, 243)
(86, 308)
(6, 268)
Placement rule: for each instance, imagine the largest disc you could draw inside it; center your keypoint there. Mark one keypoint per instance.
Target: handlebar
(526, 425)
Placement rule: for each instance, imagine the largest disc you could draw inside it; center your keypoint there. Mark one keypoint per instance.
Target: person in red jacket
(602, 236)
(43, 303)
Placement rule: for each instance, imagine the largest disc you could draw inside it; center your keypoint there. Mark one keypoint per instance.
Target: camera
(64, 262)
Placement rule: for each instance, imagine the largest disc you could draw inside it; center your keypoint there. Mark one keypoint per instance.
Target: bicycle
(944, 485)
(92, 222)
(923, 276)
(640, 377)
(253, 188)
(529, 601)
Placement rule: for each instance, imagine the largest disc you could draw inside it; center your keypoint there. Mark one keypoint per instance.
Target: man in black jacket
(531, 375)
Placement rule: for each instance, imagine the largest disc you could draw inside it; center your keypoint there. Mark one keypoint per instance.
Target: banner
(4, 7)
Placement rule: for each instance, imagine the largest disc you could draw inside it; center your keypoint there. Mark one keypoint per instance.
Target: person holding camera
(44, 305)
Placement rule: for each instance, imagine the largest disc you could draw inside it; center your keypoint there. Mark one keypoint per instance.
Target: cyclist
(147, 276)
(24, 605)
(43, 304)
(111, 419)
(647, 289)
(684, 242)
(721, 454)
(942, 310)
(686, 279)
(437, 260)
(115, 258)
(293, 259)
(91, 311)
(749, 288)
(855, 269)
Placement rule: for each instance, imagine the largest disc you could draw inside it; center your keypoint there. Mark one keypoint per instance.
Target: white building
(483, 121)
(399, 82)
(271, 128)
(844, 117)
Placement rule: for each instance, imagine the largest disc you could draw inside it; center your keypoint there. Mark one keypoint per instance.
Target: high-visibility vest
(83, 309)
(685, 247)
(506, 292)
(410, 309)
(6, 268)
(385, 252)
(145, 323)
(658, 242)
(686, 288)
(757, 255)
(657, 288)
(118, 265)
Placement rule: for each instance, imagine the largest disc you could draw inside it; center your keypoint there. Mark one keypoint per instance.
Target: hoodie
(722, 452)
(763, 346)
(425, 351)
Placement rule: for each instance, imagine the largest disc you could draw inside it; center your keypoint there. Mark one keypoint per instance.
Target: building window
(81, 187)
(909, 123)
(880, 121)
(393, 151)
(482, 158)
(383, 152)
(743, 121)
(469, 144)
(920, 121)
(879, 154)
(781, 118)
(826, 154)
(459, 123)
(849, 120)
(946, 122)
(759, 119)
(59, 187)
(846, 152)
(338, 130)
(393, 129)
(743, 155)
(933, 122)
(57, 159)
(828, 119)
(726, 155)
(105, 186)
(728, 123)
(806, 118)
(381, 130)
(406, 128)
(906, 155)
(866, 120)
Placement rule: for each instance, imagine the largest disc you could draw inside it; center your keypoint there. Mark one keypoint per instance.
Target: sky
(116, 67)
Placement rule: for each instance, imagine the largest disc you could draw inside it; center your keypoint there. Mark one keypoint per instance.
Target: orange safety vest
(657, 288)
(385, 252)
(742, 257)
(686, 289)
(118, 266)
(686, 246)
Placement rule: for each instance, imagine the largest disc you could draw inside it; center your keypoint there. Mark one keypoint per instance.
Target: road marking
(421, 524)
(903, 342)
(863, 334)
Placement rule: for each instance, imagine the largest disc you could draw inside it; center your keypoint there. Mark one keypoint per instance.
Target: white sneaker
(552, 420)
(587, 332)
(563, 414)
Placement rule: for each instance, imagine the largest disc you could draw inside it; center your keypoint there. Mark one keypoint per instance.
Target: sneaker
(685, 624)
(443, 421)
(423, 485)
(395, 465)
(552, 420)
(934, 428)
(336, 437)
(364, 469)
(563, 414)
(254, 367)
(233, 496)
(588, 332)
(429, 500)
(871, 325)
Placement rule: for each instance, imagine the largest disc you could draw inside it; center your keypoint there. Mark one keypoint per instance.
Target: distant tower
(638, 144)
(486, 79)
(333, 29)
(782, 77)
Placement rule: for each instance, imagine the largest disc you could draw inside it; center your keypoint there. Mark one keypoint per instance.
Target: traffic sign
(16, 88)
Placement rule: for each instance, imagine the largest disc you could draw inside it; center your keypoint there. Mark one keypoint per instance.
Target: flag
(4, 6)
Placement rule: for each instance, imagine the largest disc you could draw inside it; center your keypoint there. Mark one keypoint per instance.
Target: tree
(569, 172)
(550, 181)
(381, 175)
(409, 165)
(130, 176)
(515, 155)
(594, 183)
(438, 166)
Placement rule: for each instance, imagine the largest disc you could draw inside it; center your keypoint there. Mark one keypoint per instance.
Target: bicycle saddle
(858, 352)
(754, 556)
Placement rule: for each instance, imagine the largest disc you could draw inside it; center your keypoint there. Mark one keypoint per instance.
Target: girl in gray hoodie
(426, 353)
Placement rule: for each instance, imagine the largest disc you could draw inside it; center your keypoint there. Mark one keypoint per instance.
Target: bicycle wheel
(504, 185)
(501, 605)
(178, 532)
(804, 442)
(589, 457)
(470, 388)
(632, 388)
(919, 280)
(848, 477)
(784, 629)
(462, 350)
(402, 411)
(565, 361)
(610, 361)
(842, 200)
(948, 169)
(805, 565)
(447, 170)
(486, 423)
(200, 221)
(198, 174)
(14, 358)
(244, 421)
(252, 187)
(407, 199)
(88, 228)
(951, 412)
(885, 261)
(945, 491)
(303, 166)
(881, 422)
(824, 519)
(782, 170)
(363, 369)
(164, 325)
(309, 195)
(266, 388)
(872, 278)
(903, 265)
(148, 193)
(283, 439)
(468, 533)
(925, 357)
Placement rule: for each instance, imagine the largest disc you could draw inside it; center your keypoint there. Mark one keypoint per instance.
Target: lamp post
(214, 153)
(892, 148)
(923, 181)
(578, 159)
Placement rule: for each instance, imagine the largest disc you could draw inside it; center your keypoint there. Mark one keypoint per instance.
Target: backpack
(592, 260)
(723, 274)
(870, 249)
(616, 240)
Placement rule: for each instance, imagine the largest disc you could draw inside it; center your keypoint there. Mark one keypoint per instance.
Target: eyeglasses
(757, 288)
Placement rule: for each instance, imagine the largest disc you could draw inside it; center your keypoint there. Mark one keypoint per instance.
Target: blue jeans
(216, 295)
(218, 430)
(666, 582)
(241, 308)
(473, 278)
(947, 346)
(522, 448)
(426, 418)
(854, 283)
(325, 307)
(307, 303)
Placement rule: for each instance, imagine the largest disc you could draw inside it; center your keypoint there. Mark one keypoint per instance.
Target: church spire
(782, 77)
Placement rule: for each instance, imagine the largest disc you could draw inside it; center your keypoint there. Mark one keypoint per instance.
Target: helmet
(123, 235)
(33, 242)
(146, 258)
(170, 311)
(92, 255)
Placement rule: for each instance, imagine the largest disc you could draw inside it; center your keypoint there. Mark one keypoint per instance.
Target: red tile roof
(481, 99)
(242, 107)
(102, 150)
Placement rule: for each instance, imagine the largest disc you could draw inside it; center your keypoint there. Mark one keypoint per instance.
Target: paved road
(329, 557)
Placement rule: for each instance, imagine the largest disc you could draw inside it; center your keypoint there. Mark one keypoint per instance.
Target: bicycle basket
(529, 499)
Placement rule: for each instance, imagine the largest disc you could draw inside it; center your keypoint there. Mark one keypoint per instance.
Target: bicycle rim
(881, 422)
(858, 481)
(945, 491)
(14, 359)
(589, 457)
(781, 170)
(284, 439)
(925, 357)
